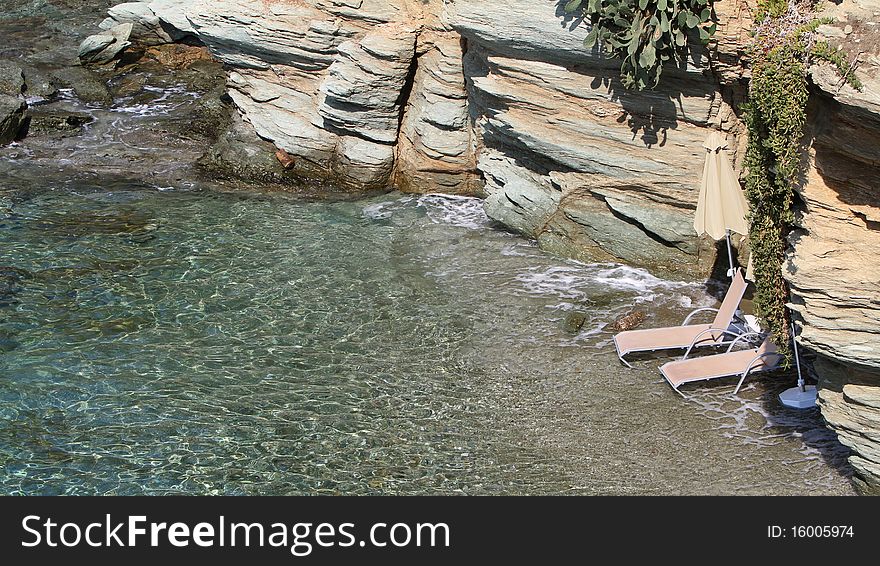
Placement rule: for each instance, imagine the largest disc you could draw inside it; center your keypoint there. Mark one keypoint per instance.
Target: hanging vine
(785, 44)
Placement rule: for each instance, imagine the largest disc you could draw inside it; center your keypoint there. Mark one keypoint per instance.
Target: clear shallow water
(158, 336)
(190, 341)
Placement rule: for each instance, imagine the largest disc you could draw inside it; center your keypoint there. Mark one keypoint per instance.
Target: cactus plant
(645, 34)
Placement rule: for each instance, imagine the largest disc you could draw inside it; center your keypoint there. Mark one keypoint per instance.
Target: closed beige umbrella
(722, 206)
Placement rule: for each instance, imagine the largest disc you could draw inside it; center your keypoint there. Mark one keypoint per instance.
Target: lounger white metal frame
(749, 367)
(738, 336)
(736, 327)
(695, 343)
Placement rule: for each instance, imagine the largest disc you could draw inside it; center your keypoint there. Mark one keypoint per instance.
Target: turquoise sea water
(160, 340)
(161, 333)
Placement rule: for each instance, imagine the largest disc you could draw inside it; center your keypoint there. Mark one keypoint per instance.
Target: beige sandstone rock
(436, 143)
(833, 268)
(363, 90)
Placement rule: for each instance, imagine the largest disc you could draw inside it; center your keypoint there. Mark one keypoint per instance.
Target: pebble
(629, 321)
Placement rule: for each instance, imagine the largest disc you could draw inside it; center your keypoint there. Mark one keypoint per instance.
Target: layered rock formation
(500, 99)
(571, 158)
(467, 97)
(833, 268)
(360, 92)
(13, 109)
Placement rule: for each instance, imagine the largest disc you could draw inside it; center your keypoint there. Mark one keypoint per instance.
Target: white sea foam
(515, 250)
(628, 278)
(464, 212)
(452, 210)
(646, 298)
(147, 110)
(385, 209)
(165, 92)
(572, 280)
(159, 106)
(566, 282)
(378, 211)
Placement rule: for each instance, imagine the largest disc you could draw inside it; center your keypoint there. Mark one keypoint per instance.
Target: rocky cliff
(468, 97)
(500, 99)
(833, 268)
(364, 92)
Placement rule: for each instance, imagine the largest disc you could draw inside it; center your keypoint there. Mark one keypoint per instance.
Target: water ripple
(193, 342)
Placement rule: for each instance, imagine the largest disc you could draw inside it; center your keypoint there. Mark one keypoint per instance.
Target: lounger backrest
(731, 301)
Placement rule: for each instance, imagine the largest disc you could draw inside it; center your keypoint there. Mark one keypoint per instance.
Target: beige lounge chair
(731, 363)
(687, 335)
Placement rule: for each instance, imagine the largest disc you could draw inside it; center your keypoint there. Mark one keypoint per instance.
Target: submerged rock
(86, 223)
(628, 321)
(7, 343)
(87, 85)
(102, 48)
(55, 121)
(93, 267)
(11, 78)
(121, 325)
(39, 83)
(13, 119)
(240, 153)
(129, 84)
(17, 273)
(574, 322)
(10, 284)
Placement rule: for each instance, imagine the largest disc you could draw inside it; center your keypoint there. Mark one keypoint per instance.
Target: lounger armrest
(707, 331)
(751, 366)
(745, 336)
(691, 315)
(759, 357)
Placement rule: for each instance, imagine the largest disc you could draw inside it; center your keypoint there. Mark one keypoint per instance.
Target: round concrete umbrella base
(794, 398)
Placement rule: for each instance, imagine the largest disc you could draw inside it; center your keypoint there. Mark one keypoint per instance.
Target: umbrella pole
(729, 255)
(797, 360)
(802, 396)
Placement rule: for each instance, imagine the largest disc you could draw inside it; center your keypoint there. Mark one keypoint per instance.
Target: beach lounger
(731, 363)
(688, 335)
